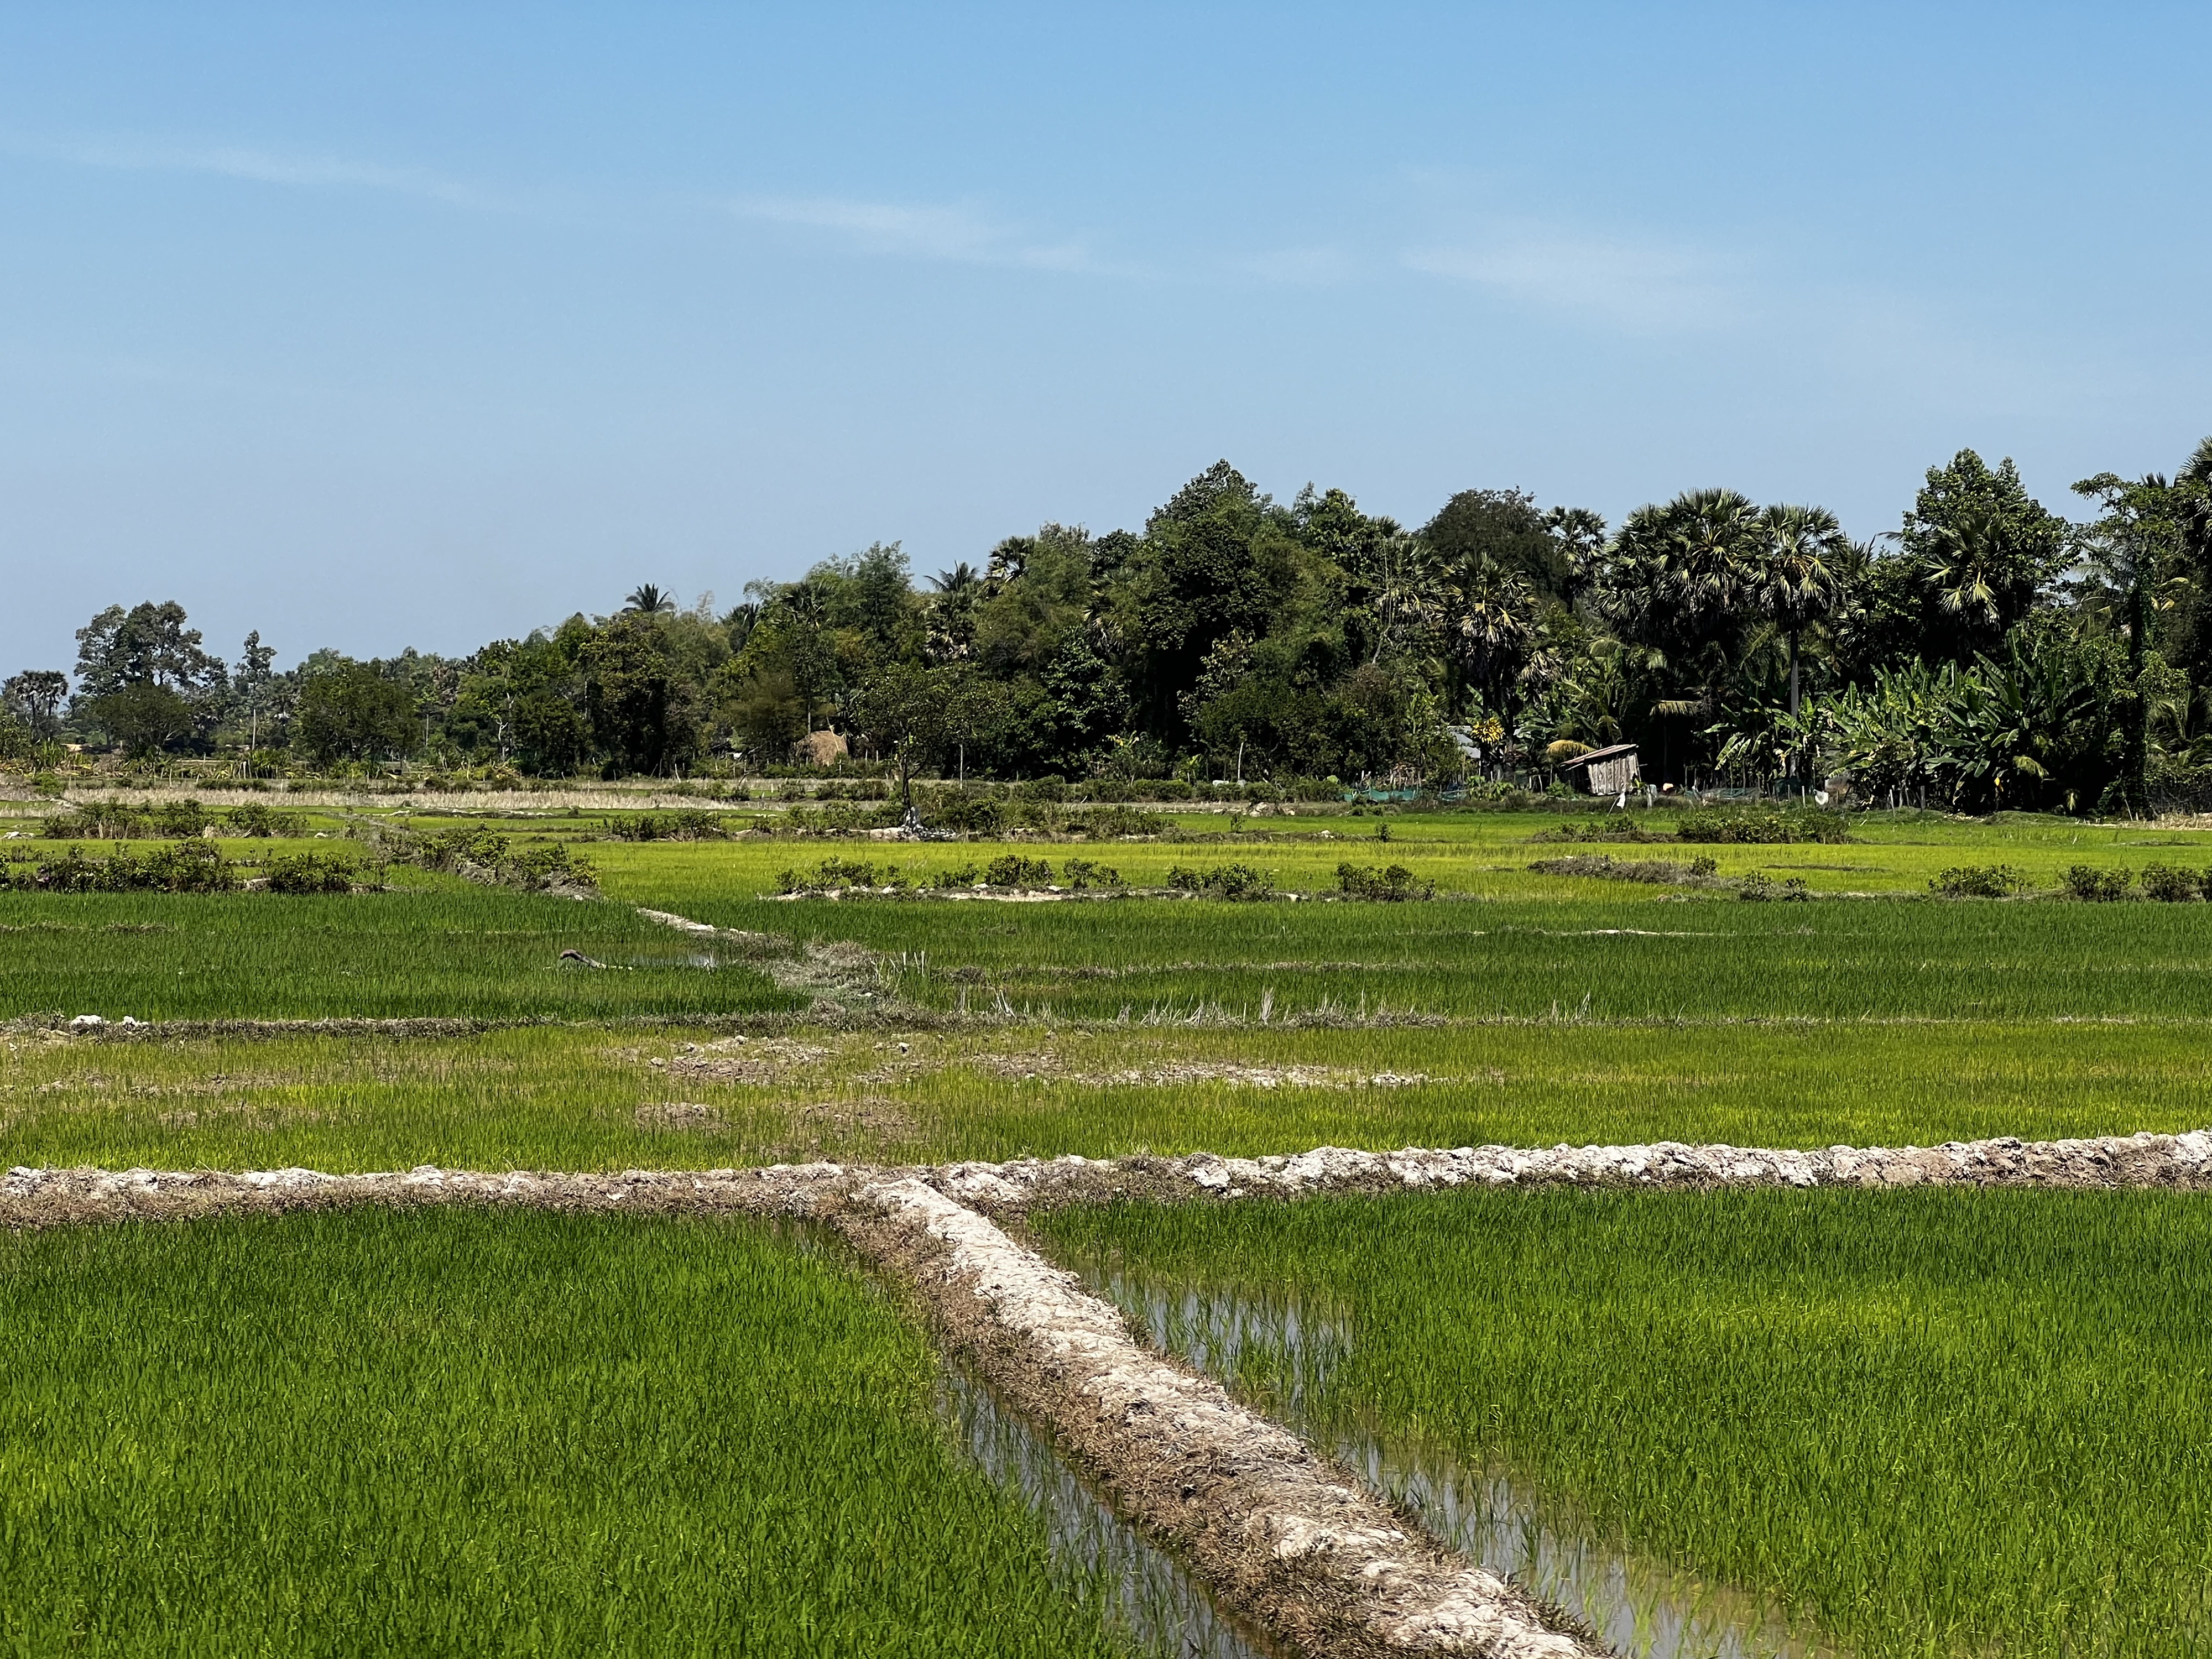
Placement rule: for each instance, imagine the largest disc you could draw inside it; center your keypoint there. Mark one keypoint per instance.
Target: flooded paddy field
(1925, 1422)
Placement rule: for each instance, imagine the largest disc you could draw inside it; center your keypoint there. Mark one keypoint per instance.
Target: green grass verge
(396, 1432)
(473, 954)
(1938, 1423)
(580, 1098)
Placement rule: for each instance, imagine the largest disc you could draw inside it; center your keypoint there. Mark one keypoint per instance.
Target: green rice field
(468, 954)
(1930, 1423)
(1948, 1424)
(405, 1432)
(582, 1097)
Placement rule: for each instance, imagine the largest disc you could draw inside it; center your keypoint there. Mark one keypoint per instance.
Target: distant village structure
(1613, 771)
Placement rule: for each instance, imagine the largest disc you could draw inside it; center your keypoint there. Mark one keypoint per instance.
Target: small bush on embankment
(480, 855)
(119, 820)
(1238, 882)
(2090, 885)
(310, 872)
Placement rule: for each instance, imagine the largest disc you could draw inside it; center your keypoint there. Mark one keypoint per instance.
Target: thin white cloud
(1637, 287)
(958, 232)
(265, 167)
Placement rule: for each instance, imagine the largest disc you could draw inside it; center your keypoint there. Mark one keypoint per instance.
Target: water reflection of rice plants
(1281, 1355)
(1153, 1601)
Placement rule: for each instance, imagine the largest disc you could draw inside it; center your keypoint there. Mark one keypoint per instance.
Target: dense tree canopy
(1987, 652)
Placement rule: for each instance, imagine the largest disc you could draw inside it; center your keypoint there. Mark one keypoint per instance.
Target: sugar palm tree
(1490, 625)
(1796, 581)
(1968, 566)
(649, 601)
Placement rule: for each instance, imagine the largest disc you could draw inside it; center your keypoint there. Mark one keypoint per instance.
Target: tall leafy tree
(1978, 550)
(1503, 528)
(2136, 549)
(349, 711)
(1490, 631)
(146, 645)
(640, 709)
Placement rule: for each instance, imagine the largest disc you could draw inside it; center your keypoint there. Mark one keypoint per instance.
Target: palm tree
(649, 601)
(1680, 573)
(1405, 587)
(1796, 580)
(956, 581)
(1492, 631)
(1968, 567)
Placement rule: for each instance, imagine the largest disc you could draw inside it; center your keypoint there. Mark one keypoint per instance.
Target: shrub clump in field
(1658, 871)
(1762, 828)
(1115, 822)
(1082, 874)
(964, 814)
(1012, 870)
(171, 820)
(685, 824)
(479, 854)
(831, 875)
(1761, 889)
(1977, 881)
(2168, 886)
(1390, 885)
(1239, 882)
(185, 866)
(311, 873)
(1618, 828)
(839, 875)
(2094, 886)
(117, 820)
(256, 820)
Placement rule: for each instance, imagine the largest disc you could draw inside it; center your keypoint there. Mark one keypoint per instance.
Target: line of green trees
(1990, 651)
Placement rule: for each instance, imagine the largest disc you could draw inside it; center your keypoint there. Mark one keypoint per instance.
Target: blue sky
(368, 326)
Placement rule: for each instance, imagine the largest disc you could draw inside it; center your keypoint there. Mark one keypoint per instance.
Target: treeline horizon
(1990, 651)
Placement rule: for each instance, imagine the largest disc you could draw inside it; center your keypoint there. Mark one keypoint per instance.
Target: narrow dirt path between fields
(46, 1197)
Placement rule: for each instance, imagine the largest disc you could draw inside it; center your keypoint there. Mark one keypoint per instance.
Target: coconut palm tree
(956, 581)
(1797, 579)
(648, 600)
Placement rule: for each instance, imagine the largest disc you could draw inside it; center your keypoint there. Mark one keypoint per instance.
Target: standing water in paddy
(1152, 1600)
(1273, 1344)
